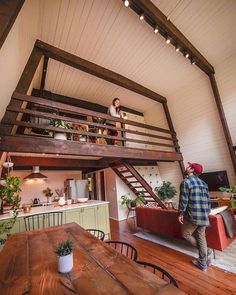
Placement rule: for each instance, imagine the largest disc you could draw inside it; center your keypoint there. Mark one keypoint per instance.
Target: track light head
(177, 49)
(156, 30)
(141, 17)
(126, 3)
(168, 40)
(186, 55)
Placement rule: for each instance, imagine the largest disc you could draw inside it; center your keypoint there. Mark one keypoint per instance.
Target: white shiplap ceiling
(108, 34)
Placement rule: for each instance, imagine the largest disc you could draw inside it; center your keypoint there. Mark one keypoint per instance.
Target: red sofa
(165, 222)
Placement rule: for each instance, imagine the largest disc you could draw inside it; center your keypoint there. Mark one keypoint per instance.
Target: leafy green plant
(64, 248)
(126, 200)
(231, 189)
(166, 191)
(59, 124)
(9, 194)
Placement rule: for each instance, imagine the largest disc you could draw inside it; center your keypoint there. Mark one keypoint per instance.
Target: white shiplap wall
(198, 128)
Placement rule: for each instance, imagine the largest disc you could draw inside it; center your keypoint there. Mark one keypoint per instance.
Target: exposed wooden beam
(223, 120)
(44, 72)
(96, 70)
(29, 144)
(22, 161)
(9, 10)
(22, 86)
(79, 102)
(156, 18)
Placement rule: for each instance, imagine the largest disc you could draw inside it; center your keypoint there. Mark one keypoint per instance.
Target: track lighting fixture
(193, 61)
(126, 3)
(177, 49)
(186, 55)
(156, 30)
(168, 40)
(141, 17)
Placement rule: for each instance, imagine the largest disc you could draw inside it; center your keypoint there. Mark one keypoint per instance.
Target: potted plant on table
(9, 194)
(64, 251)
(166, 191)
(59, 124)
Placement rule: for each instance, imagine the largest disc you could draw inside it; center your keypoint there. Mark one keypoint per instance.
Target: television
(215, 180)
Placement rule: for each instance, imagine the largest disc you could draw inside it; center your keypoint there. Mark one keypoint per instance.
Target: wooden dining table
(28, 265)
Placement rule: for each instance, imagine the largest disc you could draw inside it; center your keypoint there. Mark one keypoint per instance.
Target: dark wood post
(171, 127)
(223, 119)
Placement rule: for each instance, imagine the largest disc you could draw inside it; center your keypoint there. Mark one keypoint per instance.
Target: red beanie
(198, 168)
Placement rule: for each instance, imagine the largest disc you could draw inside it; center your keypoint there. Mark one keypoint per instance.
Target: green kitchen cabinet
(103, 220)
(89, 217)
(73, 215)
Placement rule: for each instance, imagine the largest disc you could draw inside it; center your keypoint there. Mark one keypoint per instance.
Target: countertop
(53, 208)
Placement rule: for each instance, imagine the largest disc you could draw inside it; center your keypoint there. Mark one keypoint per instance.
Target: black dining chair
(124, 248)
(42, 220)
(99, 234)
(160, 272)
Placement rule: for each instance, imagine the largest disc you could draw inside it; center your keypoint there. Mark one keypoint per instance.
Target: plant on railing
(9, 194)
(166, 191)
(59, 124)
(130, 202)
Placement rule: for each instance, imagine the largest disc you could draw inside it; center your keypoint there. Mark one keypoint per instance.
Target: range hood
(35, 174)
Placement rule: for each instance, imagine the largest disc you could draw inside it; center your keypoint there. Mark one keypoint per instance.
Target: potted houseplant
(59, 124)
(9, 194)
(48, 193)
(166, 191)
(132, 202)
(232, 192)
(65, 256)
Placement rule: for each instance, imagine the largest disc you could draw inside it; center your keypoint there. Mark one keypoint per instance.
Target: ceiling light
(156, 30)
(141, 17)
(126, 2)
(186, 55)
(177, 49)
(168, 41)
(193, 62)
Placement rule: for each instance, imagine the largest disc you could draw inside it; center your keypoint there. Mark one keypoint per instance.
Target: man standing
(194, 209)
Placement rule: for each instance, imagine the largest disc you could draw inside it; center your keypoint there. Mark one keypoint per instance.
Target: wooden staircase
(136, 182)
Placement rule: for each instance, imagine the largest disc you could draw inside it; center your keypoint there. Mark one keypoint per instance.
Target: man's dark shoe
(202, 266)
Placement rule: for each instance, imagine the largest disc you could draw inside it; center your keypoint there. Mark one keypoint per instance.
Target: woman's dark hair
(113, 103)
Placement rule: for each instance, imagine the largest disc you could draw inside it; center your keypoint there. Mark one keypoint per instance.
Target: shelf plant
(59, 124)
(64, 251)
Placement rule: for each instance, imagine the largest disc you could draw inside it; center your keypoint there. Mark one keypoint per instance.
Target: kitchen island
(91, 214)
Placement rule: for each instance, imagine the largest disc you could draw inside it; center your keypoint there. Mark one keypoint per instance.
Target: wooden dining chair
(124, 248)
(42, 220)
(160, 272)
(99, 234)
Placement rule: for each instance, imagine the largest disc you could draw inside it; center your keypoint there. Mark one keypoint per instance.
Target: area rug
(225, 260)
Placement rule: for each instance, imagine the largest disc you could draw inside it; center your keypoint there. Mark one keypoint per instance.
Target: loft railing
(130, 131)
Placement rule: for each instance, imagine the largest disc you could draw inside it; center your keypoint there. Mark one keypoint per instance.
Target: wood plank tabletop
(28, 265)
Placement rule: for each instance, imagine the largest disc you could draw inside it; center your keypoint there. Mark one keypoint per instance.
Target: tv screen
(215, 180)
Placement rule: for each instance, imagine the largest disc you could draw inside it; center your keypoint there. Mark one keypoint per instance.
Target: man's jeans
(196, 236)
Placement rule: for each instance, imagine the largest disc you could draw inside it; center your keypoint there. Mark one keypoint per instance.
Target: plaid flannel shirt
(194, 201)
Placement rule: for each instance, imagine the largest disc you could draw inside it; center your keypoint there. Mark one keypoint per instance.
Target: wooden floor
(190, 279)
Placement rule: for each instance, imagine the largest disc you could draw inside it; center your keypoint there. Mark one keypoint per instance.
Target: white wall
(196, 121)
(16, 50)
(33, 189)
(226, 80)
